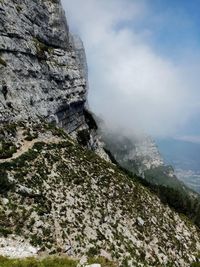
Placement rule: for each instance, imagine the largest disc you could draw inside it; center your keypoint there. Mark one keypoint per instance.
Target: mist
(133, 85)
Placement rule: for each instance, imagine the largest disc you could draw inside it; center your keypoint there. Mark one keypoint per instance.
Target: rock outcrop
(41, 65)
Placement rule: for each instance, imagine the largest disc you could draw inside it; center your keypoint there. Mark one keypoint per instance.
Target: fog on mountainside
(138, 82)
(134, 84)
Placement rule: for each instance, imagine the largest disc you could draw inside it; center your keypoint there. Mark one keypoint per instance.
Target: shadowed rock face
(41, 73)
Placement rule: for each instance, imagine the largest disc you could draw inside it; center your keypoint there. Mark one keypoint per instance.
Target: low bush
(51, 262)
(5, 184)
(83, 137)
(7, 149)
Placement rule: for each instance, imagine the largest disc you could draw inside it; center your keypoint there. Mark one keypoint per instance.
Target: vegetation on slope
(197, 263)
(51, 262)
(169, 190)
(32, 262)
(63, 194)
(180, 200)
(160, 180)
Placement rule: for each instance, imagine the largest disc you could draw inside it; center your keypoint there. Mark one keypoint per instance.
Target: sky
(144, 63)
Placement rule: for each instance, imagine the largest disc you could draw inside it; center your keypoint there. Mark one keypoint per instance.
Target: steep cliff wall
(41, 73)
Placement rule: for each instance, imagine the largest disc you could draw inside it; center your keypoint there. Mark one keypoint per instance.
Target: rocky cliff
(41, 65)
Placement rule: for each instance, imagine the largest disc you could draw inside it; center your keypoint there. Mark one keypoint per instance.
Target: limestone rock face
(136, 153)
(145, 152)
(41, 73)
(81, 55)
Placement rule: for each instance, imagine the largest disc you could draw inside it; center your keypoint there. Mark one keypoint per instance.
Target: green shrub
(83, 137)
(10, 128)
(196, 264)
(5, 231)
(30, 136)
(41, 49)
(19, 8)
(7, 149)
(93, 251)
(5, 184)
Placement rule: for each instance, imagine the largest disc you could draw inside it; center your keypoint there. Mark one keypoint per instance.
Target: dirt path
(26, 145)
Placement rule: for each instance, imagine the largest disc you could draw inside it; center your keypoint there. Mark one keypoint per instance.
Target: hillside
(58, 195)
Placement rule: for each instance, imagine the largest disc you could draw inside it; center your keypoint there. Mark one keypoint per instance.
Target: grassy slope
(31, 262)
(51, 262)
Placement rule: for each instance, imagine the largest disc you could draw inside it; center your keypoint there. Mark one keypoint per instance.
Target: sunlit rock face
(41, 65)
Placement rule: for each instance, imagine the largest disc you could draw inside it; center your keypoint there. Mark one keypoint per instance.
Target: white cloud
(131, 85)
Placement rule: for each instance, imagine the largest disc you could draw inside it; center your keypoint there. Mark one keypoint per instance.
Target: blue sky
(179, 25)
(144, 62)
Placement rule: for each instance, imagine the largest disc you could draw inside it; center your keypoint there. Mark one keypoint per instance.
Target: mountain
(134, 153)
(59, 192)
(140, 155)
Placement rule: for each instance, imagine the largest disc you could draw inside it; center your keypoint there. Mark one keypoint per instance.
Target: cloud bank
(132, 86)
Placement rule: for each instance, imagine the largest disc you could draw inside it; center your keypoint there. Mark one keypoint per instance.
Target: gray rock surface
(16, 247)
(41, 73)
(81, 55)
